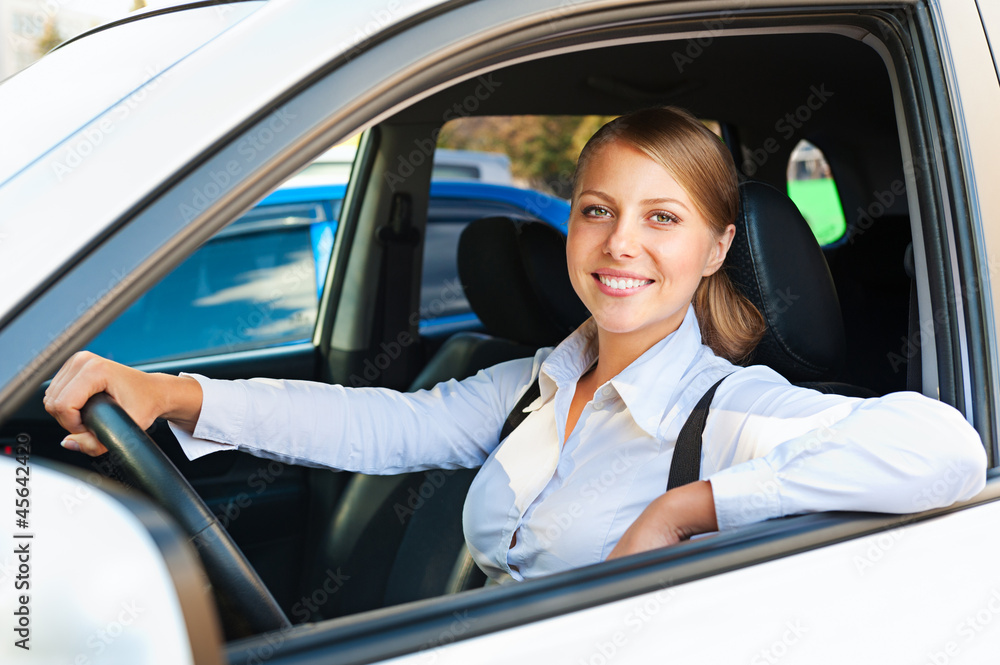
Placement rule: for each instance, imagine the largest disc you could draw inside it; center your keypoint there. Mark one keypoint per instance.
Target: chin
(618, 326)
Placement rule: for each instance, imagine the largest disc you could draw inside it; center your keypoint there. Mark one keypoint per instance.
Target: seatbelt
(517, 414)
(685, 466)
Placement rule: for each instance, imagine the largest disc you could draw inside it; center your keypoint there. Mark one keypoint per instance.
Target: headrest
(777, 263)
(515, 277)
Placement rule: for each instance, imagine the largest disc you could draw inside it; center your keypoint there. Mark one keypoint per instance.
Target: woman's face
(637, 246)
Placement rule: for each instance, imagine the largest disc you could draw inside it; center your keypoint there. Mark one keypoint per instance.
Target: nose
(623, 240)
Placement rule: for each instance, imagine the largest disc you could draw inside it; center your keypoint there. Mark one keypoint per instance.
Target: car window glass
(254, 284)
(443, 305)
(455, 172)
(812, 187)
(540, 150)
(515, 166)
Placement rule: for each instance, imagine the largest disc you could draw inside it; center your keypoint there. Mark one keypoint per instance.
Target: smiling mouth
(621, 283)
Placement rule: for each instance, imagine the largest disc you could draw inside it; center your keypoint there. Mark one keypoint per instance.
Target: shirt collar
(568, 361)
(645, 386)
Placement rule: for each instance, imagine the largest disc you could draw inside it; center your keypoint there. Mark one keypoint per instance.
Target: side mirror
(92, 573)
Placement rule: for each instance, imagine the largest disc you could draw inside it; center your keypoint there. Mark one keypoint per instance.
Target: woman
(581, 479)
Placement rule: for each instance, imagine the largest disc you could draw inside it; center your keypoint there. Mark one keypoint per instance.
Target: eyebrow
(601, 195)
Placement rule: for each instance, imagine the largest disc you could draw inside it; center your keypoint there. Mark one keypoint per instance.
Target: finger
(54, 399)
(69, 369)
(73, 396)
(66, 412)
(85, 443)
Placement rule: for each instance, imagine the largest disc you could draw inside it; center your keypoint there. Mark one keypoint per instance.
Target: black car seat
(777, 263)
(515, 278)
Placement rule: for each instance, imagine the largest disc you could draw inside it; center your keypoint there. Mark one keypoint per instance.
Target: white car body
(106, 185)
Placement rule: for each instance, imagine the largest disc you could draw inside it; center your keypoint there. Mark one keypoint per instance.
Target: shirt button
(598, 406)
(606, 390)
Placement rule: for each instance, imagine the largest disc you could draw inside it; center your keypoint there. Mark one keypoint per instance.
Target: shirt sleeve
(369, 430)
(788, 450)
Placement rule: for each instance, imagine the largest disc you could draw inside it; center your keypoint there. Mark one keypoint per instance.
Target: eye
(597, 211)
(661, 217)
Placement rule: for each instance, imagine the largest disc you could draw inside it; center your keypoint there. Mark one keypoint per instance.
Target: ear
(719, 250)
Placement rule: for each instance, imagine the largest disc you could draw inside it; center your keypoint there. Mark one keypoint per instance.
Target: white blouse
(770, 448)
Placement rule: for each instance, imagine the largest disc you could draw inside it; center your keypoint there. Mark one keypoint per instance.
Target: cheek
(574, 265)
(683, 262)
(576, 248)
(577, 262)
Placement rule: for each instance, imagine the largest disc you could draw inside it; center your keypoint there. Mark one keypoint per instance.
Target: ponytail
(730, 324)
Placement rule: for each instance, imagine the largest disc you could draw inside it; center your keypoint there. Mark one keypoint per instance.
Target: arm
(781, 450)
(773, 449)
(369, 430)
(672, 517)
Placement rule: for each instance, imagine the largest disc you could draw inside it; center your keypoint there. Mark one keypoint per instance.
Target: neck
(616, 351)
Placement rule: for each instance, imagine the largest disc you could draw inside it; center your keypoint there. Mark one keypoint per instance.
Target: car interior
(841, 318)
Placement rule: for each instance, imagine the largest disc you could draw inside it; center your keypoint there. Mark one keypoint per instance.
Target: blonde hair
(695, 157)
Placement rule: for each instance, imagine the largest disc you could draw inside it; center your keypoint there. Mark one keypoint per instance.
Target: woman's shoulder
(741, 387)
(758, 373)
(711, 368)
(738, 386)
(758, 389)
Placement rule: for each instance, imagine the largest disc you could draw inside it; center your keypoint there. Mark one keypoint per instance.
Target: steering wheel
(246, 606)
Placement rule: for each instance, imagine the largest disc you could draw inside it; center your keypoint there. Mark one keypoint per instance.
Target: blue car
(257, 282)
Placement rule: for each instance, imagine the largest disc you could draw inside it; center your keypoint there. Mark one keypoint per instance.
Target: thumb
(84, 442)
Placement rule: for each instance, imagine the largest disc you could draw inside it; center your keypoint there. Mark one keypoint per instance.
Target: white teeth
(622, 284)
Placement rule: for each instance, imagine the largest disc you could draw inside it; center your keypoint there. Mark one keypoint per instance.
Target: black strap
(685, 466)
(517, 414)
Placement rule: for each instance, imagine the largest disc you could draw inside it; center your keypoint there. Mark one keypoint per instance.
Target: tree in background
(50, 37)
(542, 149)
